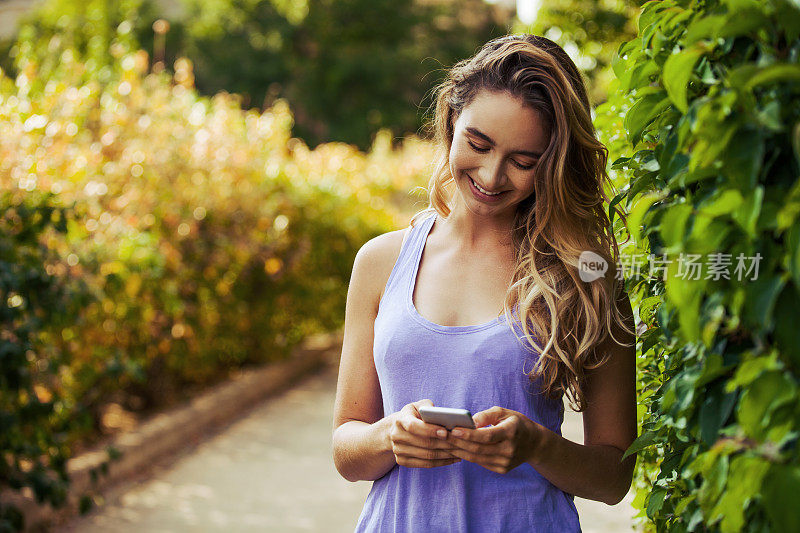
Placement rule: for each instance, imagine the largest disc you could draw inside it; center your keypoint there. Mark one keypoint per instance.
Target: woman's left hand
(512, 440)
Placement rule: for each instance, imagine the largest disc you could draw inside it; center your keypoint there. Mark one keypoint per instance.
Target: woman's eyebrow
(479, 133)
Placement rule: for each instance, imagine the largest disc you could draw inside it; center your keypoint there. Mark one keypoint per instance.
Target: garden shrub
(710, 95)
(207, 238)
(347, 67)
(88, 29)
(346, 72)
(32, 301)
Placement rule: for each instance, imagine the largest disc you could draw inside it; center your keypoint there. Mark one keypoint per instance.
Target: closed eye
(477, 148)
(516, 163)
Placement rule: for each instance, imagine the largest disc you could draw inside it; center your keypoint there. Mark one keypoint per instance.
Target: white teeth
(484, 191)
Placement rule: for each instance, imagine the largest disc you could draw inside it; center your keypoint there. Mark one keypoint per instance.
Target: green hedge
(32, 430)
(349, 68)
(710, 95)
(195, 238)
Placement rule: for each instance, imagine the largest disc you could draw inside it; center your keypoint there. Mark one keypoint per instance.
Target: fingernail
(457, 432)
(441, 433)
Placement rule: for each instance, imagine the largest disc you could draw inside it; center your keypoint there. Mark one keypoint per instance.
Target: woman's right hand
(415, 443)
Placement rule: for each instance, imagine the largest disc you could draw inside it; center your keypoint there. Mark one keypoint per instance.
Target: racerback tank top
(470, 367)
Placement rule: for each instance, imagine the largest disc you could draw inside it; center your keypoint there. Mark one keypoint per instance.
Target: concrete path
(272, 471)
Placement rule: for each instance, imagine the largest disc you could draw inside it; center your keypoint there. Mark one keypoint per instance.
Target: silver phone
(447, 417)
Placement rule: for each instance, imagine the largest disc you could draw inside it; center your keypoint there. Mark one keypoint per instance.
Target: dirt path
(272, 470)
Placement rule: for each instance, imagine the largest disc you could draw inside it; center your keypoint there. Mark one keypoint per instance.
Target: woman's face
(497, 143)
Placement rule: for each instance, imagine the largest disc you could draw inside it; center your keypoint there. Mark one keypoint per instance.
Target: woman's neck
(475, 233)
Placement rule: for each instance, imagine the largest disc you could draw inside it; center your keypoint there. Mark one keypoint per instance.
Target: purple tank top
(470, 367)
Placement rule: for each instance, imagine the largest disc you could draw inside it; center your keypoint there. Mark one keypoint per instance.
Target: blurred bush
(32, 303)
(207, 238)
(86, 28)
(348, 68)
(590, 32)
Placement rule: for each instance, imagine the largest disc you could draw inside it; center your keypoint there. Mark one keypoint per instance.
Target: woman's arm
(593, 470)
(366, 445)
(361, 449)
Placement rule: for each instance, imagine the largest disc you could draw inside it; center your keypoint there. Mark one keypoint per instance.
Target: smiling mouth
(484, 190)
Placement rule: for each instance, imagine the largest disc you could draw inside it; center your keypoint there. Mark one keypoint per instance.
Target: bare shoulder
(358, 392)
(375, 260)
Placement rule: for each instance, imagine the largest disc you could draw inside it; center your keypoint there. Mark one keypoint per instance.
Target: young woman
(518, 195)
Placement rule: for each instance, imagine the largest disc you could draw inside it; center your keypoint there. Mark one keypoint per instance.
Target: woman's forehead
(507, 120)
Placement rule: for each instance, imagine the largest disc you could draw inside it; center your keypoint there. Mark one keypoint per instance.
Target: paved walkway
(272, 471)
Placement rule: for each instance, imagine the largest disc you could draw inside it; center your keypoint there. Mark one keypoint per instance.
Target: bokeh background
(195, 177)
(184, 185)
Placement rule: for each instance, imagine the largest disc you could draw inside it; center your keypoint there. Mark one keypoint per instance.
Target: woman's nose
(494, 173)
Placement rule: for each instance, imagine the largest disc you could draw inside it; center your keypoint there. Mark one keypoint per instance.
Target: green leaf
(673, 225)
(642, 74)
(638, 212)
(744, 158)
(762, 294)
(629, 53)
(769, 117)
(716, 478)
(744, 483)
(644, 111)
(751, 369)
(748, 76)
(710, 145)
(789, 213)
(769, 217)
(782, 422)
(642, 441)
(766, 393)
(780, 489)
(708, 27)
(677, 70)
(648, 307)
(650, 15)
(700, 464)
(620, 163)
(676, 169)
(655, 501)
(684, 294)
(774, 74)
(714, 411)
(747, 214)
(793, 252)
(708, 236)
(796, 141)
(722, 203)
(712, 369)
(743, 19)
(617, 199)
(680, 509)
(787, 334)
(650, 338)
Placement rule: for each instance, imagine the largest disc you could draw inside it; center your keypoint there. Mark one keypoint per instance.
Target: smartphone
(447, 417)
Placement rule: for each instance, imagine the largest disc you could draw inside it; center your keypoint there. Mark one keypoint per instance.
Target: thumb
(489, 417)
(420, 403)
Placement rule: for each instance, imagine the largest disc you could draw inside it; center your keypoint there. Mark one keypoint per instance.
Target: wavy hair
(561, 219)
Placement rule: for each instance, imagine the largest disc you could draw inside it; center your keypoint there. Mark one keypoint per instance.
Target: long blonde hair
(561, 219)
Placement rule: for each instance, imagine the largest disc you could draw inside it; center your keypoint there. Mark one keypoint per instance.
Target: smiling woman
(496, 170)
(479, 305)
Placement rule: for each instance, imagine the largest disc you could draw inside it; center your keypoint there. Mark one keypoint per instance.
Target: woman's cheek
(461, 158)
